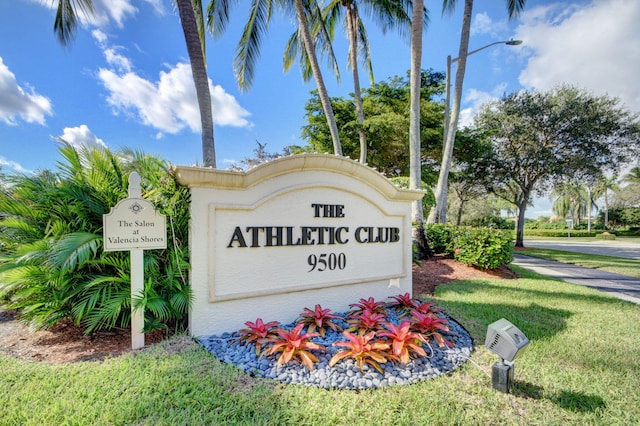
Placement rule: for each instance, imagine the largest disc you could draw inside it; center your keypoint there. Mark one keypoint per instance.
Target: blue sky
(126, 82)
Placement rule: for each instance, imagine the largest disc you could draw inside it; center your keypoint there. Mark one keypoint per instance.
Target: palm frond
(248, 49)
(73, 250)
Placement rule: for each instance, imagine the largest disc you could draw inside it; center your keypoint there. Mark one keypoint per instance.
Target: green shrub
(484, 248)
(441, 237)
(52, 265)
(558, 233)
(606, 236)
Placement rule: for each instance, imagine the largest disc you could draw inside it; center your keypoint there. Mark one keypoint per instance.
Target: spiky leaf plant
(52, 266)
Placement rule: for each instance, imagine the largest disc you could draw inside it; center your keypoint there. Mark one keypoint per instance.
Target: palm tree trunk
(606, 210)
(439, 212)
(200, 78)
(317, 74)
(352, 29)
(415, 161)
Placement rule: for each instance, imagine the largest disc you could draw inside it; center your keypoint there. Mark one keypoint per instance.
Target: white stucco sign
(291, 233)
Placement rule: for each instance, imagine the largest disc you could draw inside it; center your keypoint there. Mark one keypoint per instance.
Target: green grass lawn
(581, 367)
(619, 265)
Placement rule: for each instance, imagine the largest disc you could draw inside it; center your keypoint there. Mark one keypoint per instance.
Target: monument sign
(293, 233)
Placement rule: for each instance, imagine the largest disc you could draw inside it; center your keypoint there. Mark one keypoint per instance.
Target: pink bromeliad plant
(319, 319)
(405, 343)
(431, 326)
(363, 350)
(257, 332)
(427, 307)
(368, 304)
(370, 338)
(294, 345)
(404, 303)
(365, 321)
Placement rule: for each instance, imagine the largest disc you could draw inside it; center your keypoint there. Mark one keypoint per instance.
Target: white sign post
(134, 225)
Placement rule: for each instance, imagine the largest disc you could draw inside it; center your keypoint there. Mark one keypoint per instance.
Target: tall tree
(194, 38)
(603, 186)
(386, 108)
(389, 14)
(438, 213)
(306, 12)
(66, 23)
(633, 176)
(539, 138)
(570, 200)
(415, 160)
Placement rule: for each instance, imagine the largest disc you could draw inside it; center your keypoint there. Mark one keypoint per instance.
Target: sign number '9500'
(327, 262)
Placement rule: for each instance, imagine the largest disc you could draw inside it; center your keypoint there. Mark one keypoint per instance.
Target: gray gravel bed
(345, 374)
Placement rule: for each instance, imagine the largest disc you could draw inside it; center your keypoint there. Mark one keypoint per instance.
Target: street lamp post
(447, 100)
(439, 211)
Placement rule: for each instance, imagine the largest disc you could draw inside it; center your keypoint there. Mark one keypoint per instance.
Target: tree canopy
(543, 138)
(386, 108)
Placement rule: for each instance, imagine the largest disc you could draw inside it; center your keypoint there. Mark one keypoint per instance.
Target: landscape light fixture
(505, 340)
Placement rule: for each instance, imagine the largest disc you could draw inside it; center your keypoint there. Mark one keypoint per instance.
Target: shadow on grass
(578, 402)
(470, 287)
(534, 320)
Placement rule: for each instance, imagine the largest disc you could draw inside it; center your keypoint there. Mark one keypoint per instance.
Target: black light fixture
(505, 340)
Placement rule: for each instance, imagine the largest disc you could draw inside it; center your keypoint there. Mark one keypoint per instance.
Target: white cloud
(17, 102)
(594, 47)
(81, 136)
(113, 58)
(107, 11)
(13, 165)
(170, 104)
(475, 99)
(483, 24)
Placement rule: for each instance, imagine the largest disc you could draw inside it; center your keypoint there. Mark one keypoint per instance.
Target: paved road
(621, 286)
(617, 248)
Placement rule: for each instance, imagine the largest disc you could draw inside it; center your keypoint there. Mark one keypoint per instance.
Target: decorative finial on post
(135, 189)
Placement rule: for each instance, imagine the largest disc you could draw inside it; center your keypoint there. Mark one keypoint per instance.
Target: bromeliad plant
(257, 332)
(405, 343)
(368, 304)
(293, 345)
(404, 303)
(363, 350)
(431, 326)
(371, 339)
(365, 321)
(319, 319)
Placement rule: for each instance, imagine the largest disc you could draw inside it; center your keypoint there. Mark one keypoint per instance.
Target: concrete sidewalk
(621, 286)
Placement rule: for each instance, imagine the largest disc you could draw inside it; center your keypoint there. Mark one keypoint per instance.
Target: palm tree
(572, 199)
(389, 14)
(633, 176)
(65, 25)
(415, 162)
(603, 185)
(307, 13)
(438, 213)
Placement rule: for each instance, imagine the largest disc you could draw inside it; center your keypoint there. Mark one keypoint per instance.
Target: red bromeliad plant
(404, 342)
(427, 307)
(368, 304)
(256, 333)
(404, 303)
(363, 350)
(294, 345)
(365, 321)
(319, 319)
(431, 325)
